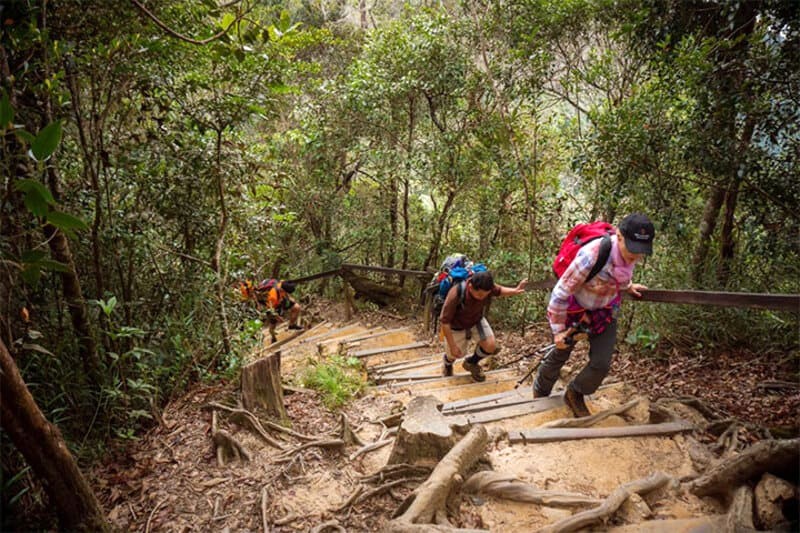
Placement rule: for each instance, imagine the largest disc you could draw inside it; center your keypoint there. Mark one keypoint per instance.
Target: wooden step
(458, 379)
(399, 365)
(508, 411)
(346, 338)
(344, 330)
(387, 349)
(376, 335)
(468, 388)
(523, 394)
(396, 337)
(559, 434)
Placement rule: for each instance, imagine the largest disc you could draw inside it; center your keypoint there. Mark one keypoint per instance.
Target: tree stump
(771, 495)
(425, 435)
(775, 456)
(261, 386)
(426, 505)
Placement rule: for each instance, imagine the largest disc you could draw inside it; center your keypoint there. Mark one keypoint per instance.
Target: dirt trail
(170, 480)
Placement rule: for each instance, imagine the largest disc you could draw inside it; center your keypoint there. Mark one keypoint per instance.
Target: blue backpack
(455, 270)
(458, 275)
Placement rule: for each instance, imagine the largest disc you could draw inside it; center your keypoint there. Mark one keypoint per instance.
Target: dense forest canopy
(154, 152)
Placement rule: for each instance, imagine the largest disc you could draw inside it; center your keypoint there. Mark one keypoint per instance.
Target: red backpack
(579, 236)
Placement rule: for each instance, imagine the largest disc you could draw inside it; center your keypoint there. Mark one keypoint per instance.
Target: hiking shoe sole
(476, 371)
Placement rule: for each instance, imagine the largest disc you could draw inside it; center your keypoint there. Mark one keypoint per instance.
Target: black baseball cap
(638, 232)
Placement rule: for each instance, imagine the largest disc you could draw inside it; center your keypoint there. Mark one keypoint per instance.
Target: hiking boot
(295, 326)
(537, 394)
(447, 370)
(474, 369)
(574, 401)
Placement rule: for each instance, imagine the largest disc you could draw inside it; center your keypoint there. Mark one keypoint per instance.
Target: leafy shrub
(338, 379)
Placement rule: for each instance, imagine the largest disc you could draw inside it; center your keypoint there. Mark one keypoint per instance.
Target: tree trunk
(362, 9)
(59, 249)
(406, 230)
(707, 226)
(437, 234)
(727, 241)
(43, 447)
(216, 263)
(392, 252)
(91, 172)
(406, 219)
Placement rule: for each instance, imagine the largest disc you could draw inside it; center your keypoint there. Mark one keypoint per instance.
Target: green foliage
(644, 338)
(339, 379)
(485, 131)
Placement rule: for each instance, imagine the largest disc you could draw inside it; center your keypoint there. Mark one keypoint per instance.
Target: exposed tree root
(395, 527)
(330, 525)
(388, 486)
(371, 447)
(348, 435)
(740, 514)
(350, 499)
(264, 521)
(430, 498)
(609, 506)
(699, 405)
(588, 421)
(289, 454)
(152, 513)
(774, 456)
(247, 420)
(509, 487)
(396, 471)
(391, 420)
(282, 429)
(235, 411)
(227, 448)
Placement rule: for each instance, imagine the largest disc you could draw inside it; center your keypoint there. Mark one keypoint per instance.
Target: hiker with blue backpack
(594, 265)
(462, 317)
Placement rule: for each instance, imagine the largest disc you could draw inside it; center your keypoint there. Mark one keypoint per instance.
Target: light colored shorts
(479, 332)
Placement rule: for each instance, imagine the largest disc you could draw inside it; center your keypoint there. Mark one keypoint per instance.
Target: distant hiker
(588, 293)
(279, 303)
(273, 296)
(462, 317)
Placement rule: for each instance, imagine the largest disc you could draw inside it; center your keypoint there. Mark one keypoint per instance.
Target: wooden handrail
(752, 300)
(776, 302)
(417, 273)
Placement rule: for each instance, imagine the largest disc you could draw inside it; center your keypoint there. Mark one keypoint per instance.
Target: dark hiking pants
(601, 349)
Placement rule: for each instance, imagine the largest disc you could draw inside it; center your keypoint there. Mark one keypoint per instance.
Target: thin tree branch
(182, 37)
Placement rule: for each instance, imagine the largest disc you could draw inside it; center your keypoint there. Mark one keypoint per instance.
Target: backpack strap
(602, 257)
(462, 293)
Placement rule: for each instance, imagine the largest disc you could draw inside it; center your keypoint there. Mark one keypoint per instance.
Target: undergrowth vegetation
(339, 379)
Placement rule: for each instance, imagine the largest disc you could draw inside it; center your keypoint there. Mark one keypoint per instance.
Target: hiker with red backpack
(273, 296)
(594, 265)
(462, 316)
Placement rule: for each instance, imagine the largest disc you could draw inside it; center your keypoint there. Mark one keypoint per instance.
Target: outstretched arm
(512, 291)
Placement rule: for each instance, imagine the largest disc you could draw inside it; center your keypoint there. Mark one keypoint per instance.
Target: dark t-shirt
(469, 315)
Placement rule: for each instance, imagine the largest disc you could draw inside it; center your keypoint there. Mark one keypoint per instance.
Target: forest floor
(169, 480)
